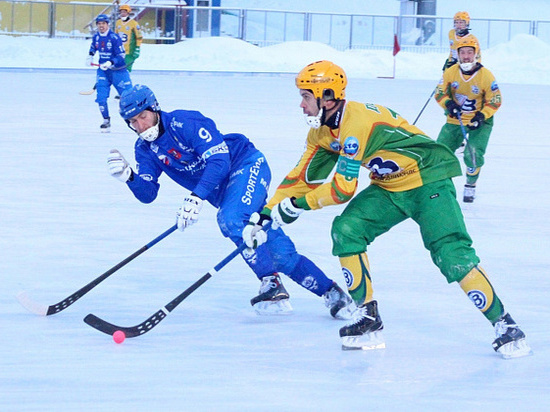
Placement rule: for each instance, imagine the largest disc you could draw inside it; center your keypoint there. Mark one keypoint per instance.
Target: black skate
(365, 332)
(469, 193)
(273, 298)
(510, 341)
(106, 125)
(340, 304)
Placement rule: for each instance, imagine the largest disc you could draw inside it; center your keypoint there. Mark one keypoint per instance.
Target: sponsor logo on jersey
(494, 86)
(454, 85)
(348, 277)
(164, 159)
(335, 146)
(174, 123)
(479, 299)
(475, 90)
(381, 167)
(175, 153)
(351, 146)
(220, 148)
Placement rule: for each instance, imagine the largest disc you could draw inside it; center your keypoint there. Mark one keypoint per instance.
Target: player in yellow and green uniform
(461, 30)
(410, 178)
(130, 32)
(470, 92)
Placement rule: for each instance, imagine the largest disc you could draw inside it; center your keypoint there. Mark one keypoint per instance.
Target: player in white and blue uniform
(228, 172)
(112, 68)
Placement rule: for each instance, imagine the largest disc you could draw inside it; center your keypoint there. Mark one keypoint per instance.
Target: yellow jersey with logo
(398, 155)
(453, 40)
(130, 33)
(476, 92)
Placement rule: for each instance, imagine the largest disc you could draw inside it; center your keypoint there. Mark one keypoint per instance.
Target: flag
(396, 47)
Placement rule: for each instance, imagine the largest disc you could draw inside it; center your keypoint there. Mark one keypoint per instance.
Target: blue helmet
(102, 17)
(137, 99)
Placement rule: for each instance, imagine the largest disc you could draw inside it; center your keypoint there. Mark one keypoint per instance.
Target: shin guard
(356, 272)
(481, 293)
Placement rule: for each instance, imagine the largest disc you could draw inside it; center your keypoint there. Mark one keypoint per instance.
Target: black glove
(449, 63)
(452, 108)
(476, 121)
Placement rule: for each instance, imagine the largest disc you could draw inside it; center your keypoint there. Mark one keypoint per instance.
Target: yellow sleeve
(137, 34)
(492, 99)
(314, 167)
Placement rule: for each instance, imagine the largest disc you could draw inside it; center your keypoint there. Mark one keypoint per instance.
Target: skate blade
(270, 308)
(105, 131)
(514, 350)
(368, 341)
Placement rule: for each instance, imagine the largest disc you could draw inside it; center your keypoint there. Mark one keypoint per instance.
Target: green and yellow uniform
(474, 92)
(453, 52)
(130, 33)
(410, 176)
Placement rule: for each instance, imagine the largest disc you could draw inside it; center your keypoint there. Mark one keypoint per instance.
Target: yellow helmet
(468, 41)
(463, 15)
(325, 79)
(125, 7)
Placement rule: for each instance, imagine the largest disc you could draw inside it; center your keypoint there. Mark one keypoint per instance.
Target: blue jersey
(193, 153)
(110, 48)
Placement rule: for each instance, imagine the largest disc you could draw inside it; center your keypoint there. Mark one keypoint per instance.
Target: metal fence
(174, 23)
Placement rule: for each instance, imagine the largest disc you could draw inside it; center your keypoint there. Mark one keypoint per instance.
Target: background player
(468, 90)
(461, 30)
(112, 68)
(130, 32)
(410, 178)
(232, 175)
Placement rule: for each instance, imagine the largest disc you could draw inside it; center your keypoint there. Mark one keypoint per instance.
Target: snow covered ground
(64, 221)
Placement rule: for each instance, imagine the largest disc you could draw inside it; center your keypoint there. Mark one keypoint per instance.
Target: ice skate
(469, 193)
(273, 298)
(510, 342)
(340, 304)
(106, 125)
(365, 332)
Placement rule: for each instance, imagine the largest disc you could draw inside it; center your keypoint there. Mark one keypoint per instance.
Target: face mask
(314, 121)
(151, 133)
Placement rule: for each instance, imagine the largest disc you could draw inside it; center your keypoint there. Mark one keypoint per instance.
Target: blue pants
(120, 79)
(246, 193)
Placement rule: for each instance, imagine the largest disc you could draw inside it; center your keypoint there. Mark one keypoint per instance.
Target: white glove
(253, 235)
(89, 60)
(105, 66)
(285, 212)
(188, 213)
(118, 166)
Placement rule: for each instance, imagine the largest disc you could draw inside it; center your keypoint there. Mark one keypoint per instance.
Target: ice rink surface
(64, 221)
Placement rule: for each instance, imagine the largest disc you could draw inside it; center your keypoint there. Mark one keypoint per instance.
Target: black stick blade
(130, 332)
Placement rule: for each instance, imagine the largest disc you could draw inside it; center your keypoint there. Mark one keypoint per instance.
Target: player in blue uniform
(227, 171)
(112, 68)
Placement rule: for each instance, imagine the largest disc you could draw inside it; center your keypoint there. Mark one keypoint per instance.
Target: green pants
(451, 136)
(129, 60)
(433, 207)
